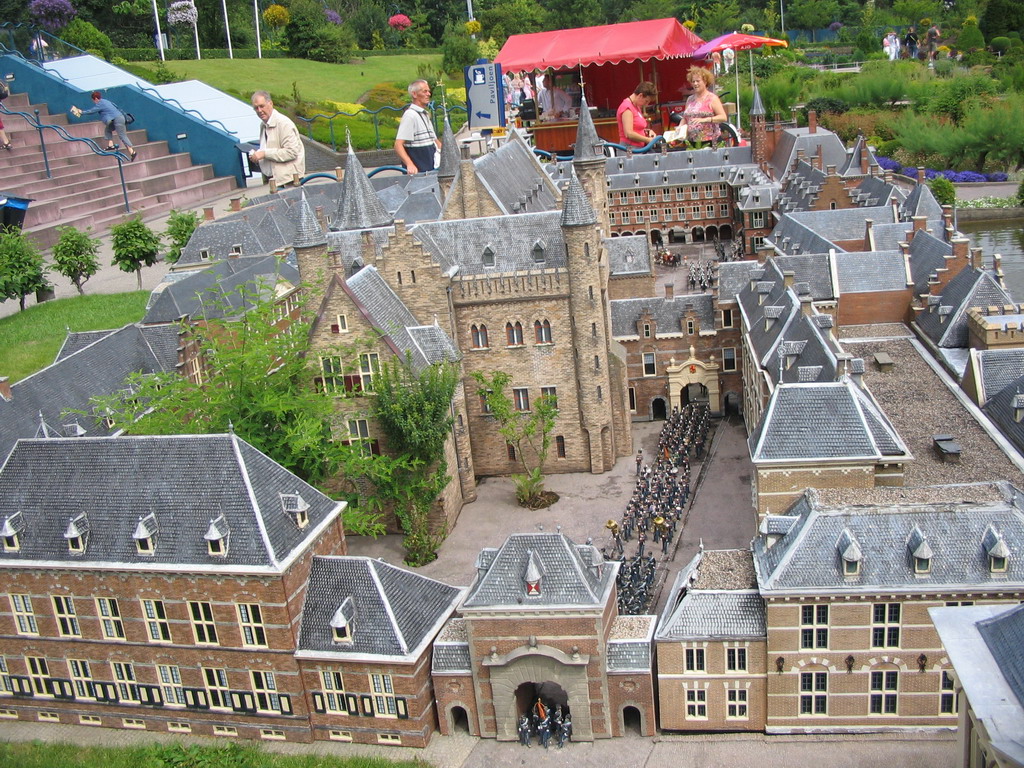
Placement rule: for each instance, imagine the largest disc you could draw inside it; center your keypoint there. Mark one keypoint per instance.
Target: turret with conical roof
(589, 165)
(760, 149)
(359, 207)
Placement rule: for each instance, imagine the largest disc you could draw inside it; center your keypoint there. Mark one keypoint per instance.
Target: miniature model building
(540, 622)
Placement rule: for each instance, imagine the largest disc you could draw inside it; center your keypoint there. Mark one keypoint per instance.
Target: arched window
(514, 334)
(479, 336)
(542, 331)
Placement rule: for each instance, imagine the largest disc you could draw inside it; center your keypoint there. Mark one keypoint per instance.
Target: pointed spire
(308, 233)
(757, 108)
(588, 143)
(576, 208)
(359, 207)
(449, 166)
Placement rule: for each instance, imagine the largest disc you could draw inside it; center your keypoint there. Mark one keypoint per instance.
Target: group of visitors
(698, 123)
(909, 46)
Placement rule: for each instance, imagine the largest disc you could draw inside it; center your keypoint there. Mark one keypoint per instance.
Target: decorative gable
(996, 549)
(849, 552)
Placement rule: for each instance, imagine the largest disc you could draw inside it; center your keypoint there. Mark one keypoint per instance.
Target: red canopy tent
(613, 57)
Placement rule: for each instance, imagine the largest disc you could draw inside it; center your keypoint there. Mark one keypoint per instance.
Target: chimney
(869, 234)
(961, 248)
(920, 174)
(321, 218)
(819, 158)
(947, 222)
(792, 116)
(812, 121)
(670, 290)
(788, 278)
(887, 175)
(236, 204)
(920, 222)
(5, 389)
(864, 167)
(997, 268)
(208, 214)
(976, 260)
(806, 307)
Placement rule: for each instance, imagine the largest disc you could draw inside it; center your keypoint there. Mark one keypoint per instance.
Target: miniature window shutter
(150, 694)
(196, 698)
(367, 705)
(319, 706)
(403, 709)
(286, 704)
(352, 703)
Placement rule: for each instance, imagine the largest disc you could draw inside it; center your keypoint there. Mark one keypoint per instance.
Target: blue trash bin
(13, 209)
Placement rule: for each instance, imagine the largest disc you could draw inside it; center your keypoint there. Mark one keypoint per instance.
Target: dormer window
(204, 254)
(77, 533)
(217, 537)
(145, 535)
(236, 249)
(850, 553)
(920, 552)
(1018, 407)
(293, 505)
(488, 256)
(539, 249)
(534, 575)
(341, 622)
(997, 551)
(11, 532)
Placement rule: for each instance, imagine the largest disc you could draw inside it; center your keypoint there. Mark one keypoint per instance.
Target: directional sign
(485, 96)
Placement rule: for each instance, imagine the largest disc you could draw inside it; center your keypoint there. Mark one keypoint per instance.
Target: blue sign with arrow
(485, 95)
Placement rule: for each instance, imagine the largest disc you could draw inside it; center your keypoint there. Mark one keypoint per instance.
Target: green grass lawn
(30, 340)
(176, 755)
(316, 80)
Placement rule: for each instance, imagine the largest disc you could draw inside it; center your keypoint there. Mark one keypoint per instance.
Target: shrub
(943, 189)
(458, 48)
(331, 43)
(1000, 44)
(1020, 194)
(51, 15)
(826, 104)
(84, 35)
(970, 38)
(180, 226)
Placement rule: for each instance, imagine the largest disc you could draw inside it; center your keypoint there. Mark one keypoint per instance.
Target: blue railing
(438, 111)
(186, 110)
(63, 135)
(34, 44)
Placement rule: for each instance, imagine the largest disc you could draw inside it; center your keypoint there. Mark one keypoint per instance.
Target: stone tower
(759, 132)
(589, 165)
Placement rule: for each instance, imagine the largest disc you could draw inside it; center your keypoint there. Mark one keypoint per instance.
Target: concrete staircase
(85, 189)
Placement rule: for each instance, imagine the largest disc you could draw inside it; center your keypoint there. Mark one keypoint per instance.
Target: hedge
(187, 54)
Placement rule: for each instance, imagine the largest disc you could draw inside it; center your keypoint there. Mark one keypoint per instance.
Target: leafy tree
(513, 18)
(135, 246)
(459, 49)
(522, 429)
(1001, 17)
(567, 14)
(414, 411)
(82, 34)
(643, 10)
(812, 14)
(721, 16)
(970, 37)
(370, 17)
(21, 266)
(943, 189)
(912, 11)
(180, 226)
(76, 256)
(332, 43)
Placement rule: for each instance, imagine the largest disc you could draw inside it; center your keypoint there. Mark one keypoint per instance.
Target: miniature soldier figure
(544, 731)
(639, 459)
(556, 719)
(565, 731)
(641, 539)
(524, 730)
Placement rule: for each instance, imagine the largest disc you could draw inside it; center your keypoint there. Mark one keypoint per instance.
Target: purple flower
(332, 16)
(51, 15)
(835, 26)
(888, 164)
(997, 177)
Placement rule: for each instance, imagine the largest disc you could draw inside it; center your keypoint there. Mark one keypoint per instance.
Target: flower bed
(957, 177)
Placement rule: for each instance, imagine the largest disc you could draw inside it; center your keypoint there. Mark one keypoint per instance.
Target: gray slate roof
(999, 369)
(945, 321)
(793, 139)
(358, 206)
(628, 256)
(214, 292)
(515, 179)
(866, 272)
(99, 368)
(811, 268)
(807, 558)
(1000, 408)
(394, 613)
(629, 656)
(185, 482)
(573, 574)
(716, 614)
(927, 255)
(921, 202)
(733, 277)
(425, 344)
(835, 420)
(1004, 636)
(667, 313)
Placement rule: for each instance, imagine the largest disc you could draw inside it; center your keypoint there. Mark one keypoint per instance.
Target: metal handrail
(375, 114)
(38, 34)
(34, 122)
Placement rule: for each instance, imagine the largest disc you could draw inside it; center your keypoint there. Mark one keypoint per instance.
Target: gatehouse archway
(693, 371)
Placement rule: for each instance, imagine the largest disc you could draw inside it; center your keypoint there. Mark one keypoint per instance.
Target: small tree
(180, 226)
(522, 429)
(21, 266)
(943, 190)
(76, 256)
(135, 246)
(414, 411)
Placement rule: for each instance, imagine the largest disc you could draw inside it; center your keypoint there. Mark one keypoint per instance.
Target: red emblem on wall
(693, 369)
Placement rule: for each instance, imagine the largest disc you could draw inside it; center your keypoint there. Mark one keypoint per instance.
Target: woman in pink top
(703, 111)
(633, 129)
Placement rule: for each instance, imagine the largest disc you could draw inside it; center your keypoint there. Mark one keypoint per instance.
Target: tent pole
(738, 121)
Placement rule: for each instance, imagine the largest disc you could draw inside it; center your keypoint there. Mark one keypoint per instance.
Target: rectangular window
(757, 219)
(334, 692)
(885, 686)
(649, 366)
(625, 217)
(342, 324)
(723, 210)
(359, 436)
(695, 660)
(736, 659)
(124, 679)
(709, 210)
(632, 399)
(250, 619)
(757, 242)
(39, 674)
(24, 616)
(728, 359)
(5, 678)
(885, 625)
(203, 626)
(170, 685)
(696, 704)
(156, 621)
(67, 620)
(947, 702)
(814, 626)
(333, 374)
(652, 195)
(521, 396)
(737, 703)
(110, 618)
(485, 407)
(560, 446)
(81, 678)
(639, 217)
(814, 693)
(369, 366)
(383, 696)
(216, 680)
(265, 687)
(727, 318)
(551, 393)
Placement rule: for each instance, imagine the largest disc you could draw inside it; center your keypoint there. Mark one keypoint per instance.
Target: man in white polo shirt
(417, 142)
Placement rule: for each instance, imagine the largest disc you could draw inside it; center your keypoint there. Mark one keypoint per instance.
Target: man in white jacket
(281, 155)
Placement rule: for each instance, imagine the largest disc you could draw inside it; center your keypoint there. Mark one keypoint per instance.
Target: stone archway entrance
(549, 693)
(694, 371)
